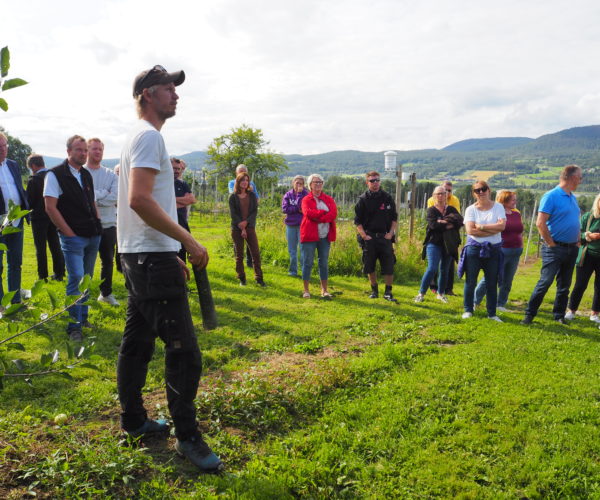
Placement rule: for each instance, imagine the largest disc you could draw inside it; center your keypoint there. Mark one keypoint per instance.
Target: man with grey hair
(558, 225)
(149, 238)
(11, 188)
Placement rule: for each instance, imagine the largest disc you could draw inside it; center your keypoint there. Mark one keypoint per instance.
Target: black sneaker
(75, 335)
(200, 454)
(374, 295)
(261, 283)
(562, 321)
(527, 320)
(242, 281)
(390, 297)
(150, 427)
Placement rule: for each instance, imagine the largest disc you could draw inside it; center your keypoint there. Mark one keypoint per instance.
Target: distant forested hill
(492, 144)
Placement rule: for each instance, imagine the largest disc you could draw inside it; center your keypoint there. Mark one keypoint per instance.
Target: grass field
(348, 398)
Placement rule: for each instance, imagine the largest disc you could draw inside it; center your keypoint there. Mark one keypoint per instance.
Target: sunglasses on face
(480, 190)
(374, 180)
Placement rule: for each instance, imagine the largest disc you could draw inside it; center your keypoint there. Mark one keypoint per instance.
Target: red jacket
(309, 227)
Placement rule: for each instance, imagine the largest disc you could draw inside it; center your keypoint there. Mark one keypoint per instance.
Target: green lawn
(352, 397)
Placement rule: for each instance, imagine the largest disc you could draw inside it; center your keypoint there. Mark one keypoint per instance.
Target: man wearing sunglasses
(149, 238)
(376, 220)
(558, 225)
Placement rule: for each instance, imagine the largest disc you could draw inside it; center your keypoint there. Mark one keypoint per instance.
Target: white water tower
(390, 161)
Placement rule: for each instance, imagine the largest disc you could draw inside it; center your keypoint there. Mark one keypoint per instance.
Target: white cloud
(314, 75)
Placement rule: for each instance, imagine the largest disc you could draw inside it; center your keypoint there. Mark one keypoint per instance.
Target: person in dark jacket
(243, 207)
(376, 220)
(41, 226)
(69, 200)
(291, 205)
(441, 243)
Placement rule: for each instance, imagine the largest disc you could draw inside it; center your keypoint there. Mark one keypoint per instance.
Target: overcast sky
(315, 76)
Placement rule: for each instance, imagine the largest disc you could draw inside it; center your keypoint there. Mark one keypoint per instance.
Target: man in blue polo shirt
(558, 225)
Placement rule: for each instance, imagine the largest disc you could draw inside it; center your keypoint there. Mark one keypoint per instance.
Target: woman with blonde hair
(243, 208)
(588, 262)
(291, 205)
(317, 231)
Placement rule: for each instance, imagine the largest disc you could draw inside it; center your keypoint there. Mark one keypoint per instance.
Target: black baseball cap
(156, 76)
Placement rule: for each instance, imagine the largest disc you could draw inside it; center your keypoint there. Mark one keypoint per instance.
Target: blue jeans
(80, 257)
(511, 263)
(308, 257)
(556, 262)
(14, 259)
(292, 234)
(436, 259)
(473, 263)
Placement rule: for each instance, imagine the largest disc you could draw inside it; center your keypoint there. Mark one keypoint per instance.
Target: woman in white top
(484, 221)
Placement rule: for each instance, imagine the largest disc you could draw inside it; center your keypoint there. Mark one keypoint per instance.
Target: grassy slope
(328, 399)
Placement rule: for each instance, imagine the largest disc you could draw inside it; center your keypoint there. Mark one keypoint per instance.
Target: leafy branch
(10, 83)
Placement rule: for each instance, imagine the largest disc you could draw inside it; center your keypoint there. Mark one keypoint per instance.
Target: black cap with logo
(156, 76)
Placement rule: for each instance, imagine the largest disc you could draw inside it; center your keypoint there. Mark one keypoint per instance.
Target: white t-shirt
(145, 148)
(491, 216)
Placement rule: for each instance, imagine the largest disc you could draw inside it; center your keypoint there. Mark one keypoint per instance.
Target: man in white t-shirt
(149, 238)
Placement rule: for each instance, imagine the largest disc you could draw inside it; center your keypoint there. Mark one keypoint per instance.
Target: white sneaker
(570, 316)
(419, 298)
(442, 298)
(595, 318)
(467, 315)
(109, 299)
(502, 309)
(496, 318)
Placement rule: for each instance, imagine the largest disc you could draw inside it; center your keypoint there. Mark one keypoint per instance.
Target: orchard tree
(17, 151)
(248, 146)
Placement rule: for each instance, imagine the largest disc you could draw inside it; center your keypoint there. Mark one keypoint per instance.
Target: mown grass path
(352, 398)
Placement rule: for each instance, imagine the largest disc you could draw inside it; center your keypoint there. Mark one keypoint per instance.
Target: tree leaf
(45, 359)
(64, 375)
(19, 364)
(16, 346)
(10, 230)
(70, 353)
(7, 298)
(3, 247)
(79, 352)
(13, 83)
(4, 61)
(89, 365)
(53, 298)
(84, 284)
(55, 356)
(3, 104)
(38, 286)
(12, 309)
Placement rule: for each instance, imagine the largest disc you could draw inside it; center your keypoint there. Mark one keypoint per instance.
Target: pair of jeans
(252, 244)
(308, 258)
(14, 260)
(158, 307)
(80, 257)
(591, 265)
(557, 262)
(292, 234)
(45, 232)
(436, 259)
(473, 264)
(106, 250)
(511, 263)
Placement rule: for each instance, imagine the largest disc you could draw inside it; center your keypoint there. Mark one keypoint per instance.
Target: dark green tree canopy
(244, 145)
(17, 151)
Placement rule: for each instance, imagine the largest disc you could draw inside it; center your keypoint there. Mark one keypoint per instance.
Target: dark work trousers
(107, 255)
(238, 244)
(182, 254)
(158, 307)
(44, 231)
(583, 274)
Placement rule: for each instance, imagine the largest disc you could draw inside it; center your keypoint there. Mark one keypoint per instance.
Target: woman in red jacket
(317, 231)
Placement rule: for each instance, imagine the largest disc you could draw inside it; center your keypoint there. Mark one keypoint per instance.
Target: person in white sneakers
(588, 263)
(106, 186)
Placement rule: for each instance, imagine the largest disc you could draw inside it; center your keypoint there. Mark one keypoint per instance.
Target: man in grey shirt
(106, 187)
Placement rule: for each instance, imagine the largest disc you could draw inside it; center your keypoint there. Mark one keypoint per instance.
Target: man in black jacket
(376, 221)
(41, 226)
(69, 200)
